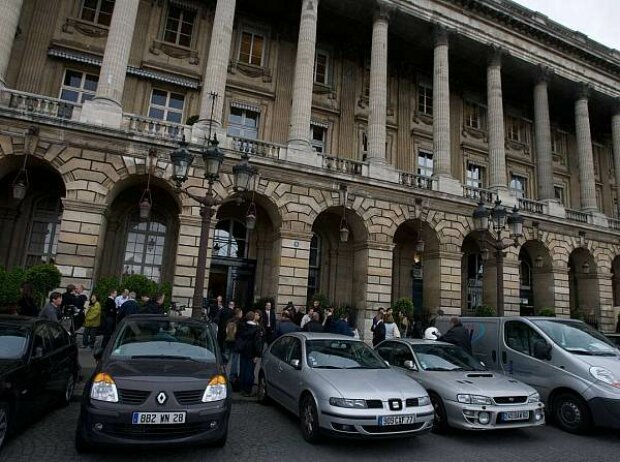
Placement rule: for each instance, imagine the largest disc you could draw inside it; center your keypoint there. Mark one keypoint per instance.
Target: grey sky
(598, 19)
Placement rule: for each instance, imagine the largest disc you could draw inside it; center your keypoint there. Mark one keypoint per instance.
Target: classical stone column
(584, 152)
(217, 67)
(9, 20)
(106, 108)
(441, 105)
(615, 136)
(299, 127)
(495, 115)
(378, 86)
(542, 135)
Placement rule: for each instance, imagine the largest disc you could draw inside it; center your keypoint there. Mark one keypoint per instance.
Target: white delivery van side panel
(484, 335)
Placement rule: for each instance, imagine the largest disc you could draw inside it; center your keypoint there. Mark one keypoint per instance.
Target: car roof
(9, 318)
(322, 336)
(162, 317)
(417, 341)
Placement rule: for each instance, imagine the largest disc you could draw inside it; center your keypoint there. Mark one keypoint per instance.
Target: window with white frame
(560, 194)
(44, 231)
(78, 86)
(518, 186)
(166, 105)
(474, 176)
(515, 129)
(425, 163)
(597, 155)
(97, 11)
(425, 99)
(179, 26)
(318, 137)
(474, 115)
(252, 48)
(321, 67)
(243, 123)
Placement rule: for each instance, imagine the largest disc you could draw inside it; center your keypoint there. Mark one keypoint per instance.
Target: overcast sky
(598, 19)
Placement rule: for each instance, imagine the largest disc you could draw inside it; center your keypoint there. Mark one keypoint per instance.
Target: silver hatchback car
(463, 392)
(339, 385)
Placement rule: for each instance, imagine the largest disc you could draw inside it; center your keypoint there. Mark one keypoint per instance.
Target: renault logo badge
(161, 398)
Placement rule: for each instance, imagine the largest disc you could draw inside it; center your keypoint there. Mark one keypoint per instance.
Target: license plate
(157, 418)
(397, 419)
(515, 415)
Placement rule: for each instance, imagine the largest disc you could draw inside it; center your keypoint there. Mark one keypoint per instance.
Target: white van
(575, 369)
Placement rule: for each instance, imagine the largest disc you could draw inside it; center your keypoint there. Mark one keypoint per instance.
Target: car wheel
(82, 446)
(309, 419)
(571, 413)
(440, 425)
(4, 423)
(67, 394)
(261, 393)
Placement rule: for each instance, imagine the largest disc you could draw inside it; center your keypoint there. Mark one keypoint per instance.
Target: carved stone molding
(250, 71)
(89, 29)
(470, 132)
(175, 51)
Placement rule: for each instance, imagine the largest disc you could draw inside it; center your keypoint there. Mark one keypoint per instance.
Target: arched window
(144, 251)
(44, 231)
(230, 239)
(314, 263)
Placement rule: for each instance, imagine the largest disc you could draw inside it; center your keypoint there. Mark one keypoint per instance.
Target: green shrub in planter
(44, 278)
(483, 311)
(403, 305)
(546, 312)
(10, 281)
(137, 283)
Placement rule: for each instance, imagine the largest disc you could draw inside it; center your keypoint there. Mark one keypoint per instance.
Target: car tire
(309, 418)
(4, 423)
(82, 446)
(571, 413)
(440, 425)
(67, 394)
(261, 393)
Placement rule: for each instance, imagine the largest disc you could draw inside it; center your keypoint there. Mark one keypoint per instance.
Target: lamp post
(492, 224)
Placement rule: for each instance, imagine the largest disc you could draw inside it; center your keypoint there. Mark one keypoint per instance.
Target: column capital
(583, 91)
(310, 4)
(383, 11)
(616, 106)
(440, 35)
(544, 74)
(494, 56)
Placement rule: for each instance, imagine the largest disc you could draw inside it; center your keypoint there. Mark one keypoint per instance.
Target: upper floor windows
(318, 137)
(179, 26)
(97, 11)
(78, 86)
(321, 67)
(243, 123)
(560, 194)
(166, 105)
(425, 163)
(474, 176)
(425, 99)
(515, 129)
(474, 116)
(518, 186)
(252, 48)
(558, 146)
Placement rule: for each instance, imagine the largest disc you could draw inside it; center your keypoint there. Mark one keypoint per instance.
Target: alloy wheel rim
(570, 414)
(309, 419)
(3, 425)
(436, 409)
(69, 389)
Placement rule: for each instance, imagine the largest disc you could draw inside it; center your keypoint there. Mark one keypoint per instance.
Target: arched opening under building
(478, 275)
(536, 285)
(30, 227)
(136, 246)
(583, 286)
(416, 266)
(615, 285)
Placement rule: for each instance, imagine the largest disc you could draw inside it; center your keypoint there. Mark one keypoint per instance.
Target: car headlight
(216, 390)
(104, 388)
(350, 403)
(533, 398)
(605, 375)
(473, 399)
(424, 401)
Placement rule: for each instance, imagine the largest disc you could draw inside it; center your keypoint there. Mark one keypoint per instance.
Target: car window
(385, 351)
(280, 348)
(520, 337)
(294, 350)
(13, 341)
(58, 336)
(342, 354)
(442, 357)
(42, 339)
(400, 354)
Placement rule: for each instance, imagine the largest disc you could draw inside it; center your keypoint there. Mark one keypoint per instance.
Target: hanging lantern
(145, 208)
(212, 157)
(20, 185)
(250, 221)
(481, 218)
(344, 233)
(181, 160)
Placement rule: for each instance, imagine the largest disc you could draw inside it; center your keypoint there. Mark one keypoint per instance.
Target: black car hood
(145, 369)
(9, 365)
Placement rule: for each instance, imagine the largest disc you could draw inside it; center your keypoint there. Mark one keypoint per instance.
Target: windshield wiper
(180, 358)
(365, 367)
(326, 367)
(440, 369)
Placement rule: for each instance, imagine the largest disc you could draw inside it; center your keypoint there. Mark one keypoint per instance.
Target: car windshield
(576, 337)
(342, 354)
(446, 358)
(13, 341)
(164, 339)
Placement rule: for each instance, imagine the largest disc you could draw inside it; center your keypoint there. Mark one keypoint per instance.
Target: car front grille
(412, 402)
(378, 429)
(152, 432)
(135, 397)
(374, 404)
(504, 400)
(189, 397)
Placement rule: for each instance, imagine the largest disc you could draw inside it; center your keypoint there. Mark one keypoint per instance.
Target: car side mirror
(38, 352)
(482, 364)
(387, 363)
(98, 354)
(296, 363)
(542, 350)
(410, 365)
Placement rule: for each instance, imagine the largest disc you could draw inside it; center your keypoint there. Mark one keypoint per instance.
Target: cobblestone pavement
(268, 433)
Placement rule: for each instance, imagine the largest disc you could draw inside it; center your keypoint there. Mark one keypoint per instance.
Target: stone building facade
(390, 118)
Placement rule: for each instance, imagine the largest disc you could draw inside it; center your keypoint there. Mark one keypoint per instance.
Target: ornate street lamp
(181, 160)
(481, 217)
(145, 204)
(243, 173)
(344, 228)
(20, 183)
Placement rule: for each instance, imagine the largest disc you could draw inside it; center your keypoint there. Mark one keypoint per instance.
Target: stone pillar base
(301, 153)
(102, 112)
(554, 208)
(448, 185)
(382, 171)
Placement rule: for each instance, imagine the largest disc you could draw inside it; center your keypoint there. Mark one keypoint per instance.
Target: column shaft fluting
(441, 106)
(497, 151)
(584, 153)
(377, 100)
(9, 20)
(542, 134)
(615, 136)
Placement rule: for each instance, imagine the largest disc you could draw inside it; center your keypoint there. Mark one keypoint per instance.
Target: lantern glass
(145, 209)
(498, 214)
(250, 221)
(515, 220)
(344, 234)
(481, 218)
(484, 254)
(19, 190)
(212, 157)
(181, 160)
(243, 173)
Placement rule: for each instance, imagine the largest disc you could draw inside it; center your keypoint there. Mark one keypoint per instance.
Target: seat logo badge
(395, 404)
(161, 398)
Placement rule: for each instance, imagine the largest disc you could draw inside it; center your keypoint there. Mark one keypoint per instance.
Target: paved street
(260, 433)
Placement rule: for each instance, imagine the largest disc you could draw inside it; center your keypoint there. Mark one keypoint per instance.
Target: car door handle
(504, 357)
(494, 356)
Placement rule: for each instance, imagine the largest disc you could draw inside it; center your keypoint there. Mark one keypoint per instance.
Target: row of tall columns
(542, 137)
(615, 137)
(497, 152)
(584, 152)
(9, 20)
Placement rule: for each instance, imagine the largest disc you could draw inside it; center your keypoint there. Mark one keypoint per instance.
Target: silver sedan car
(339, 385)
(463, 392)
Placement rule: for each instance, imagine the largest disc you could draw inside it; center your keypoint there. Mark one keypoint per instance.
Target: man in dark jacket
(286, 326)
(215, 309)
(108, 317)
(457, 335)
(314, 325)
(129, 307)
(341, 326)
(378, 332)
(268, 319)
(222, 318)
(248, 345)
(155, 305)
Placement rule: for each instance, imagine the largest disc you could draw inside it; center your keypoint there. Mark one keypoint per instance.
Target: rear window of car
(13, 341)
(163, 338)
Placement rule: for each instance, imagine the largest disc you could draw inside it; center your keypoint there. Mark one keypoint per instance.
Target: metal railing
(613, 223)
(155, 127)
(28, 103)
(256, 148)
(576, 215)
(478, 194)
(530, 205)
(340, 165)
(413, 180)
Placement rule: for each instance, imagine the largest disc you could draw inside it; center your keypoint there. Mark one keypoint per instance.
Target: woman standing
(391, 329)
(92, 322)
(26, 303)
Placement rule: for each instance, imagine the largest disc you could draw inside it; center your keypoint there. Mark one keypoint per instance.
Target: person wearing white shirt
(307, 317)
(122, 298)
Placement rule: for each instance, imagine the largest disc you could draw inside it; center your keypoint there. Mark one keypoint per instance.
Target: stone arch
(615, 281)
(536, 280)
(583, 285)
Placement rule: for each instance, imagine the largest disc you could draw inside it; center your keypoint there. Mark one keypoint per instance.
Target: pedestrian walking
(92, 322)
(285, 326)
(249, 347)
(314, 325)
(231, 356)
(26, 304)
(258, 319)
(378, 332)
(328, 319)
(457, 335)
(269, 322)
(80, 304)
(129, 307)
(375, 320)
(215, 309)
(391, 329)
(50, 311)
(306, 317)
(108, 317)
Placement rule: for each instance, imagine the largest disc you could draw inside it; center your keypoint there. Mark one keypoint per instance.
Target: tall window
(425, 100)
(44, 231)
(243, 123)
(230, 239)
(321, 68)
(251, 50)
(475, 273)
(475, 176)
(314, 272)
(179, 26)
(144, 251)
(166, 105)
(560, 194)
(474, 115)
(518, 186)
(318, 137)
(97, 11)
(425, 163)
(78, 87)
(515, 129)
(558, 143)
